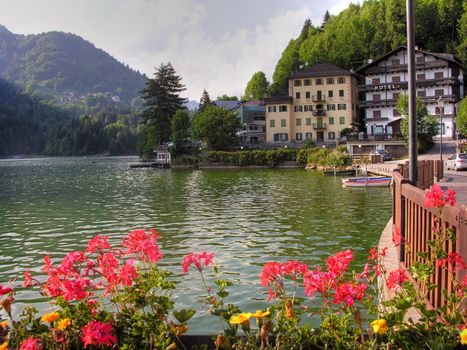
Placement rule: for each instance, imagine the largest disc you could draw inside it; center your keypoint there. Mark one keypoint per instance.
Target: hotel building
(321, 102)
(439, 81)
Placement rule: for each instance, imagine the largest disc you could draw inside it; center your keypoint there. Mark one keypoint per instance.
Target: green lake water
(246, 217)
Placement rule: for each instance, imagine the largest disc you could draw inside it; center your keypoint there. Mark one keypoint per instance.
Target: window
(297, 82)
(331, 120)
(298, 136)
(298, 122)
(439, 75)
(276, 137)
(308, 94)
(319, 81)
(395, 113)
(437, 110)
(341, 93)
(308, 121)
(376, 114)
(330, 93)
(331, 107)
(330, 80)
(341, 107)
(297, 95)
(283, 123)
(271, 109)
(272, 123)
(342, 120)
(341, 80)
(308, 135)
(395, 62)
(375, 80)
(283, 108)
(376, 97)
(284, 137)
(395, 95)
(396, 79)
(331, 135)
(379, 129)
(298, 108)
(308, 108)
(161, 156)
(439, 92)
(421, 93)
(420, 59)
(307, 82)
(421, 76)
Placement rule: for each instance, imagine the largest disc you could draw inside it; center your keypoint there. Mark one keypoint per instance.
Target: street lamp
(441, 111)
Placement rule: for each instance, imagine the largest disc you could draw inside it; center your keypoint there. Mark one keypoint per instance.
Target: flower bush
(109, 297)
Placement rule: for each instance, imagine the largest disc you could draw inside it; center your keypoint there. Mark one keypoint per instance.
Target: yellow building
(321, 102)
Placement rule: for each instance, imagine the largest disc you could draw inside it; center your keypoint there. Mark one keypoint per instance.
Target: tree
(225, 97)
(326, 17)
(256, 87)
(427, 125)
(180, 136)
(462, 47)
(217, 127)
(205, 101)
(162, 100)
(461, 119)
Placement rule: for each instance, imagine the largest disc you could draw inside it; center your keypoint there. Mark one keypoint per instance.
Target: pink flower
(5, 290)
(127, 274)
(198, 260)
(454, 261)
(27, 279)
(318, 281)
(98, 243)
(396, 278)
(142, 245)
(434, 197)
(271, 270)
(31, 344)
(347, 292)
(339, 263)
(98, 333)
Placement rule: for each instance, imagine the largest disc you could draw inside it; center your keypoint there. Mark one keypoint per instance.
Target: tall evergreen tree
(326, 17)
(205, 101)
(162, 100)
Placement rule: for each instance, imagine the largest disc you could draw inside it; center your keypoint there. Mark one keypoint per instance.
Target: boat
(372, 181)
(339, 172)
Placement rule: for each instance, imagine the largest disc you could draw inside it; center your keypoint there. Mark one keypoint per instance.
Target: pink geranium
(98, 333)
(437, 198)
(31, 344)
(198, 260)
(396, 278)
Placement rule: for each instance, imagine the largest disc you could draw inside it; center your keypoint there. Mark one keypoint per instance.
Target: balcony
(318, 112)
(318, 98)
(319, 126)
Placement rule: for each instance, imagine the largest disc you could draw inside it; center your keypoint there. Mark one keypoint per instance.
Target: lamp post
(441, 112)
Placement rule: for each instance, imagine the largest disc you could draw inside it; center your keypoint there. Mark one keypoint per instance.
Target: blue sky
(213, 44)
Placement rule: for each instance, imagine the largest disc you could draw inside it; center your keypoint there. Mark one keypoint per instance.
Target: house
(252, 116)
(321, 102)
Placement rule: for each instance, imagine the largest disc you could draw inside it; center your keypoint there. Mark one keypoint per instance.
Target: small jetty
(150, 165)
(161, 159)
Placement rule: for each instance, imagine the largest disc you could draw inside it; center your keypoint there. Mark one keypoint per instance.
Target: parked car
(457, 162)
(384, 153)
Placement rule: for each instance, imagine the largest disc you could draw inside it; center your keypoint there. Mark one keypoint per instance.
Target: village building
(252, 116)
(321, 102)
(439, 84)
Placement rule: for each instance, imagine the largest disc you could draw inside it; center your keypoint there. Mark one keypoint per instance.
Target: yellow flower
(63, 324)
(240, 319)
(260, 314)
(379, 326)
(4, 324)
(49, 318)
(4, 346)
(464, 336)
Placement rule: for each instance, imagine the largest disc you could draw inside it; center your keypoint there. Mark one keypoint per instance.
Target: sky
(215, 45)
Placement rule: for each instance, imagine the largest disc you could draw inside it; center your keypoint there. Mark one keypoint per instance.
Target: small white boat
(373, 181)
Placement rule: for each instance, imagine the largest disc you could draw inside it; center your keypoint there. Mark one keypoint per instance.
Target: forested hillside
(49, 64)
(29, 126)
(370, 30)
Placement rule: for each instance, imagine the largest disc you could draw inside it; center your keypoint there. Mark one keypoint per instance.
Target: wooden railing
(414, 222)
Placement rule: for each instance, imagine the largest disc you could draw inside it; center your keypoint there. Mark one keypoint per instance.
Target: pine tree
(205, 101)
(326, 17)
(162, 100)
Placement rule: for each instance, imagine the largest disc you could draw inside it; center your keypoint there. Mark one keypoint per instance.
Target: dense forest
(370, 30)
(49, 64)
(29, 126)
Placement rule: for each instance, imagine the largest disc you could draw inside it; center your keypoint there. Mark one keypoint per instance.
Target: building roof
(320, 70)
(229, 105)
(278, 99)
(253, 103)
(444, 56)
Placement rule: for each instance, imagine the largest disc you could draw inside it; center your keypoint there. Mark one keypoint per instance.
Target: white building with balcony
(439, 77)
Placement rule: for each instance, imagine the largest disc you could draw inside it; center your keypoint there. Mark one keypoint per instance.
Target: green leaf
(183, 315)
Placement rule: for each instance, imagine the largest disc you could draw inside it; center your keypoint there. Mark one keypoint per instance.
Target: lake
(246, 217)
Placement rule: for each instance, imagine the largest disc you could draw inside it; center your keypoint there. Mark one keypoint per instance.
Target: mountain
(192, 105)
(51, 64)
(371, 29)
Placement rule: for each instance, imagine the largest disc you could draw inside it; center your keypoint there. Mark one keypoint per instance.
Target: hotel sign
(388, 87)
